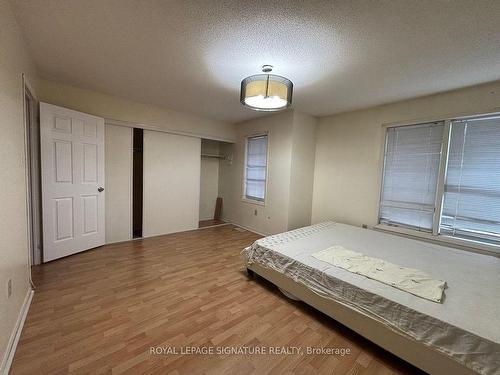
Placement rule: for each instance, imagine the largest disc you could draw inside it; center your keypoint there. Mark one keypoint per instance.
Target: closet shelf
(213, 156)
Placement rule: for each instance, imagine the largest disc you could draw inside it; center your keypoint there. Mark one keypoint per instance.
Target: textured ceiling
(191, 55)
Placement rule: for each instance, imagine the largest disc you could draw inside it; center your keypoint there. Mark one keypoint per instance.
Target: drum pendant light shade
(266, 92)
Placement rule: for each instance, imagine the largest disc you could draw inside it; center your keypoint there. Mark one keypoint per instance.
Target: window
(411, 169)
(471, 204)
(256, 168)
(444, 178)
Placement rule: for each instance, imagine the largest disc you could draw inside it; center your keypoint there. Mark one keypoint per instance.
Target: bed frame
(419, 355)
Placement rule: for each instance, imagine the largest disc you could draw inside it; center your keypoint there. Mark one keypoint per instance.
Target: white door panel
(171, 183)
(72, 154)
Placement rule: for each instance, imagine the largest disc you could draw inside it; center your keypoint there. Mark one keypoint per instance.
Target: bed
(460, 335)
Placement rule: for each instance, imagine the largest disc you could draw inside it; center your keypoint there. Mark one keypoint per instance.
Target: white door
(72, 158)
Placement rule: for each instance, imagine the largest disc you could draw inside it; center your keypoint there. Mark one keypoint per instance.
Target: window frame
(244, 197)
(382, 175)
(435, 236)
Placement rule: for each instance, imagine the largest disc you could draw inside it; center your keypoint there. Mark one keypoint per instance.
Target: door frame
(32, 170)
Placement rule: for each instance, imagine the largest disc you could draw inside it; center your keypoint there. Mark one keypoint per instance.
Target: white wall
(171, 183)
(14, 61)
(118, 140)
(349, 149)
(209, 179)
(116, 108)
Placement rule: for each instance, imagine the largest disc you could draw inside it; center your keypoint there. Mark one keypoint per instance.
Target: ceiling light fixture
(266, 92)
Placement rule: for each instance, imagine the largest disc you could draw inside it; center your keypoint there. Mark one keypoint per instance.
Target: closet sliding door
(171, 183)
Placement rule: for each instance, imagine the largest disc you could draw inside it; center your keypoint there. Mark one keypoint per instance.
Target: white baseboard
(213, 226)
(206, 218)
(246, 228)
(16, 334)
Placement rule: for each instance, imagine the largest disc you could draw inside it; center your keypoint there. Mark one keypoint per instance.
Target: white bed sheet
(466, 326)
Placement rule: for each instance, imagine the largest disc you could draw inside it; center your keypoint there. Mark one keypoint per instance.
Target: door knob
(100, 189)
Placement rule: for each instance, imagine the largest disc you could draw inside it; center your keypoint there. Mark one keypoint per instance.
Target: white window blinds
(255, 168)
(411, 169)
(471, 205)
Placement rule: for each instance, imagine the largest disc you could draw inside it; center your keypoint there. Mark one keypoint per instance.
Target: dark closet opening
(137, 174)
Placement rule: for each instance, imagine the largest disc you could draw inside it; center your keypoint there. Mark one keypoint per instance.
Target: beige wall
(273, 217)
(118, 183)
(289, 179)
(115, 108)
(302, 170)
(14, 61)
(171, 183)
(349, 149)
(209, 179)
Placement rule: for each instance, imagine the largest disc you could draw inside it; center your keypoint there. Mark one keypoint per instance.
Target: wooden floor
(102, 310)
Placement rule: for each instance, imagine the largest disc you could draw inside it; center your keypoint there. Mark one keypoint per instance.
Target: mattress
(465, 326)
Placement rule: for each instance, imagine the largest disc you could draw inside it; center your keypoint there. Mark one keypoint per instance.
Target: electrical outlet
(9, 288)
(255, 212)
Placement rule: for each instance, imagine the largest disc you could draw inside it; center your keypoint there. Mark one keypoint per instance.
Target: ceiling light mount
(267, 68)
(266, 92)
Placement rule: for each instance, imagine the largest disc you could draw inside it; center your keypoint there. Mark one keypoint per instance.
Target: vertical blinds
(471, 204)
(411, 169)
(256, 166)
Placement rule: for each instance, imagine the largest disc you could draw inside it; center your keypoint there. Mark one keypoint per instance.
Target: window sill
(469, 245)
(253, 201)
